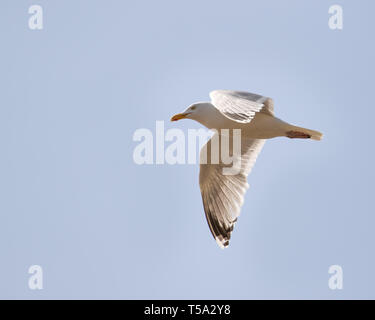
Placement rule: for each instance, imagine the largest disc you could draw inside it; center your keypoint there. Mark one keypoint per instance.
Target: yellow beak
(178, 116)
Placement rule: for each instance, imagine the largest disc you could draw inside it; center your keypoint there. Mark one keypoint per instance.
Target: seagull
(253, 114)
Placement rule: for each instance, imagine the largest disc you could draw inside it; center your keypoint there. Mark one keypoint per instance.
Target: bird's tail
(303, 133)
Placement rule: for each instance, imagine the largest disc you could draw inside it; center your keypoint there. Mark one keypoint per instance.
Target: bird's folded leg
(297, 134)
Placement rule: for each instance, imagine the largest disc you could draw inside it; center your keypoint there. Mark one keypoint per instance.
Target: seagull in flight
(253, 114)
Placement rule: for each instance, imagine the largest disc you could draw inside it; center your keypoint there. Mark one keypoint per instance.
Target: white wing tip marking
(223, 243)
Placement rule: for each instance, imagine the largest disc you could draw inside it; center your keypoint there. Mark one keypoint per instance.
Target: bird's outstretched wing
(223, 195)
(240, 106)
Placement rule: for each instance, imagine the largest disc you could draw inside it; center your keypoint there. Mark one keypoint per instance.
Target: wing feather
(223, 195)
(241, 106)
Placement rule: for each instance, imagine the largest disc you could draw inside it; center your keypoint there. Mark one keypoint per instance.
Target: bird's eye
(193, 108)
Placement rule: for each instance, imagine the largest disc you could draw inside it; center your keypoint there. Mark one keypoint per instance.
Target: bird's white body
(263, 126)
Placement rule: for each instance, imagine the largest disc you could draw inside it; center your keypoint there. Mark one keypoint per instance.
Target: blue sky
(101, 226)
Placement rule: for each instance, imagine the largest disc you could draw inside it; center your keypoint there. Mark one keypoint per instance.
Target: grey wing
(223, 195)
(240, 106)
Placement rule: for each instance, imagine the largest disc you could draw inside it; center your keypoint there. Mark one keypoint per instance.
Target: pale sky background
(74, 202)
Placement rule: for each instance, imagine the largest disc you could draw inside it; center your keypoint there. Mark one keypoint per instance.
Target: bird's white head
(196, 111)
